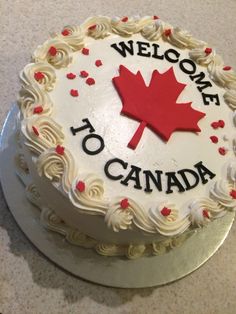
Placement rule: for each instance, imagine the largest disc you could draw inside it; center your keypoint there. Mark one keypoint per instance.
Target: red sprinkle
(84, 74)
(85, 51)
(205, 213)
(124, 203)
(38, 109)
(65, 32)
(80, 186)
(233, 194)
(155, 17)
(39, 76)
(221, 123)
(52, 51)
(74, 92)
(125, 19)
(167, 32)
(35, 130)
(98, 63)
(71, 76)
(214, 139)
(165, 211)
(227, 68)
(208, 50)
(90, 81)
(60, 150)
(222, 151)
(215, 125)
(92, 27)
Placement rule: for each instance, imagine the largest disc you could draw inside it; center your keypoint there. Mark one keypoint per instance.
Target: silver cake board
(86, 263)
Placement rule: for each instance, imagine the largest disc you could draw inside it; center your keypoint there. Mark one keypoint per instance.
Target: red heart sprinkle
(35, 130)
(215, 125)
(227, 68)
(167, 32)
(65, 32)
(124, 203)
(92, 27)
(80, 186)
(233, 194)
(90, 81)
(125, 19)
(222, 151)
(39, 76)
(74, 92)
(221, 123)
(98, 63)
(71, 76)
(155, 17)
(205, 213)
(214, 139)
(60, 150)
(52, 51)
(165, 211)
(208, 50)
(38, 109)
(85, 51)
(84, 74)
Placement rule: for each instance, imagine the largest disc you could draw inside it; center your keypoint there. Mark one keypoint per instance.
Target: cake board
(86, 263)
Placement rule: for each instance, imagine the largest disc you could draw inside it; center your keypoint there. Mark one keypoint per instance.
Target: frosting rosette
(72, 35)
(222, 75)
(32, 96)
(202, 55)
(224, 194)
(166, 219)
(58, 167)
(98, 27)
(203, 210)
(41, 133)
(87, 194)
(124, 26)
(153, 30)
(39, 73)
(56, 52)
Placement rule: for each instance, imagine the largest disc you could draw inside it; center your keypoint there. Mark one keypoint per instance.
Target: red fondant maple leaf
(155, 105)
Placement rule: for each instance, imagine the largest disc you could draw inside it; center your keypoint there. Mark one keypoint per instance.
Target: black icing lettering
(203, 171)
(172, 55)
(187, 66)
(111, 162)
(142, 49)
(133, 175)
(149, 176)
(94, 151)
(208, 98)
(124, 48)
(186, 179)
(155, 52)
(172, 181)
(198, 78)
(87, 125)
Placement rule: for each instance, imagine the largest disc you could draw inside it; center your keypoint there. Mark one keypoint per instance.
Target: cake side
(79, 196)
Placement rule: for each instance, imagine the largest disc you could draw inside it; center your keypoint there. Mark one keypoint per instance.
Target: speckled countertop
(29, 283)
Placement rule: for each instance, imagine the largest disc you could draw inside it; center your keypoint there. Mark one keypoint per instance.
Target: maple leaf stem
(137, 135)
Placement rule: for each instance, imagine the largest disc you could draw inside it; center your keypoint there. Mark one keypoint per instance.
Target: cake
(127, 135)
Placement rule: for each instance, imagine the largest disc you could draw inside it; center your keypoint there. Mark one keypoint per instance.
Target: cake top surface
(136, 113)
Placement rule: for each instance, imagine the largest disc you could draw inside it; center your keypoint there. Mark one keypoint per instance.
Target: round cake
(127, 133)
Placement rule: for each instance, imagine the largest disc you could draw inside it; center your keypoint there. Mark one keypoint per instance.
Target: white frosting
(220, 192)
(230, 98)
(201, 57)
(124, 28)
(98, 27)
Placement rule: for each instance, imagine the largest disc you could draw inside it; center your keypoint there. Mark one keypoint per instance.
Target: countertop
(29, 282)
